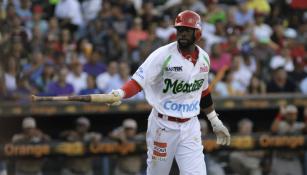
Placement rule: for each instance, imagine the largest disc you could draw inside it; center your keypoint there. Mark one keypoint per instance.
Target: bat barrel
(49, 98)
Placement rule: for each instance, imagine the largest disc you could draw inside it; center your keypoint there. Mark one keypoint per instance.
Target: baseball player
(175, 81)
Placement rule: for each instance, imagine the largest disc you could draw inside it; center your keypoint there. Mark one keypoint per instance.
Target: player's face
(185, 36)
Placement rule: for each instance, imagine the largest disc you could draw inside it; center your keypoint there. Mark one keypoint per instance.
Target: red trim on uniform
(205, 92)
(131, 88)
(190, 56)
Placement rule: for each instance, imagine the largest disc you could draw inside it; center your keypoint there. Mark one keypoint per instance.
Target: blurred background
(258, 79)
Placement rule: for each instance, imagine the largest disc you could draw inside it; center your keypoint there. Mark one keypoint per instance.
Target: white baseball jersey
(173, 84)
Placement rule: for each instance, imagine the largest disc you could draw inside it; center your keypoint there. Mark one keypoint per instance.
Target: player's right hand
(221, 132)
(118, 93)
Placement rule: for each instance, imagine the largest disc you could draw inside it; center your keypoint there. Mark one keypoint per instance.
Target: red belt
(174, 119)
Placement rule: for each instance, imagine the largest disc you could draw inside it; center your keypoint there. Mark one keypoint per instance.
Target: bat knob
(33, 97)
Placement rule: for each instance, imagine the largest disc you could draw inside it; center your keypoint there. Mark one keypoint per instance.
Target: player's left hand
(221, 132)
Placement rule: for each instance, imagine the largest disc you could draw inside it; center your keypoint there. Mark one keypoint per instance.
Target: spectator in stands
(228, 87)
(194, 5)
(165, 28)
(287, 163)
(84, 50)
(136, 34)
(3, 90)
(262, 32)
(303, 86)
(77, 78)
(297, 50)
(41, 83)
(215, 12)
(53, 28)
(260, 6)
(134, 37)
(35, 68)
(97, 33)
(120, 22)
(302, 33)
(37, 42)
(116, 49)
(243, 15)
(241, 75)
(231, 45)
(23, 91)
(283, 59)
(256, 86)
(219, 58)
(90, 9)
(37, 20)
(103, 80)
(247, 162)
(11, 73)
(117, 81)
(69, 13)
(220, 31)
(153, 42)
(129, 164)
(280, 82)
(18, 46)
(30, 135)
(127, 7)
(91, 87)
(80, 165)
(149, 14)
(299, 73)
(24, 11)
(278, 35)
(67, 44)
(94, 66)
(60, 87)
(249, 62)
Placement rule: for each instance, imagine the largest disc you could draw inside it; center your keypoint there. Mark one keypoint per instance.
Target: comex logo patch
(183, 107)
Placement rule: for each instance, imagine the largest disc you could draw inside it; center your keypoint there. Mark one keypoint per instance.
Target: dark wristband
(206, 101)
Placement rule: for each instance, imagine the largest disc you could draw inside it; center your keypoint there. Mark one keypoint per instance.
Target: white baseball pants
(167, 139)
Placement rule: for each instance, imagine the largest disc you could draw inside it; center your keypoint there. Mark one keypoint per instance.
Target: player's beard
(185, 45)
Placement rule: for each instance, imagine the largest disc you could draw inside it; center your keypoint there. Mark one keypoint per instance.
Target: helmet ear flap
(197, 34)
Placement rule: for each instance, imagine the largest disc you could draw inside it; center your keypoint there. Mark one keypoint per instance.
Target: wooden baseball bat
(101, 98)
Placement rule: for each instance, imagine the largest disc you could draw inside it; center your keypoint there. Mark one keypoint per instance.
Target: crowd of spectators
(66, 47)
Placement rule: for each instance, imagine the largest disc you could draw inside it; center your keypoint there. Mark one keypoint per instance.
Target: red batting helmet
(190, 19)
